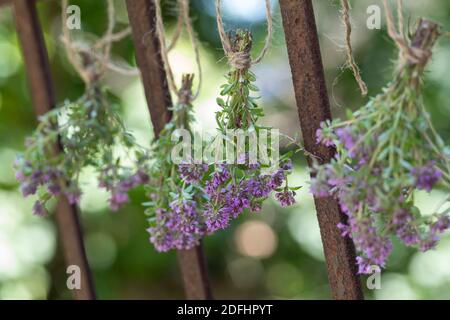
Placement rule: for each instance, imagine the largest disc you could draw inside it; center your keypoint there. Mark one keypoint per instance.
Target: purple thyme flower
(321, 139)
(178, 228)
(276, 179)
(39, 209)
(215, 220)
(54, 189)
(257, 187)
(139, 178)
(364, 265)
(347, 140)
(73, 195)
(117, 200)
(286, 198)
(441, 225)
(427, 176)
(28, 188)
(345, 229)
(20, 176)
(192, 173)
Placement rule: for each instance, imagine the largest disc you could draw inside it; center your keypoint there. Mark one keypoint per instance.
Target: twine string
(409, 54)
(183, 19)
(91, 62)
(349, 49)
(243, 59)
(177, 33)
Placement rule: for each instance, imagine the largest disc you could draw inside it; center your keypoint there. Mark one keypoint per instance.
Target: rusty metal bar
(5, 2)
(142, 20)
(313, 107)
(42, 92)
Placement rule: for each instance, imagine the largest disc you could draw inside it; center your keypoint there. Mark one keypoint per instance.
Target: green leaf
(220, 102)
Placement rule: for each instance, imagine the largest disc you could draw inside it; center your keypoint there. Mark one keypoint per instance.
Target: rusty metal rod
(5, 2)
(142, 20)
(313, 107)
(42, 92)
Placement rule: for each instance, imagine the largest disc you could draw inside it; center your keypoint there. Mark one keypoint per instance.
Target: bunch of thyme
(385, 152)
(88, 132)
(174, 208)
(243, 184)
(85, 132)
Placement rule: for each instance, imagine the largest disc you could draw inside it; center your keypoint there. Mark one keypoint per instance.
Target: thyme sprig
(386, 151)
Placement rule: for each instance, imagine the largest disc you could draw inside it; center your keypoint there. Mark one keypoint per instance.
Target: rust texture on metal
(42, 92)
(5, 2)
(313, 107)
(142, 20)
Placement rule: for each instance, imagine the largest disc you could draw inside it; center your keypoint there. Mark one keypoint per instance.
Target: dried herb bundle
(385, 152)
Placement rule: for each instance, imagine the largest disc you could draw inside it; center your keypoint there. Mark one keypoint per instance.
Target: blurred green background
(274, 254)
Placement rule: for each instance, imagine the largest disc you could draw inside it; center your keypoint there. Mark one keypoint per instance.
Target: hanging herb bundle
(89, 131)
(244, 184)
(191, 200)
(174, 208)
(385, 152)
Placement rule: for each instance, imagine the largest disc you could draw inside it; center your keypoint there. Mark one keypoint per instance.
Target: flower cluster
(230, 197)
(242, 185)
(119, 190)
(179, 227)
(385, 152)
(175, 206)
(88, 132)
(190, 200)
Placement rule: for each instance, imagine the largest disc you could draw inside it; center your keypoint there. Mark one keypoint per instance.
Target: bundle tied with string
(238, 53)
(183, 20)
(192, 199)
(90, 131)
(386, 152)
(244, 182)
(174, 209)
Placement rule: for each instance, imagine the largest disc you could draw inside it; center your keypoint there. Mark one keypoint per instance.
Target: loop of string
(350, 58)
(408, 54)
(91, 62)
(183, 19)
(243, 59)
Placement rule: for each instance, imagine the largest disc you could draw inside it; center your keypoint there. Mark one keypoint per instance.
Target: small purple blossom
(364, 265)
(441, 225)
(427, 176)
(73, 196)
(345, 229)
(321, 139)
(286, 198)
(117, 200)
(20, 176)
(192, 173)
(39, 209)
(276, 179)
(178, 228)
(348, 141)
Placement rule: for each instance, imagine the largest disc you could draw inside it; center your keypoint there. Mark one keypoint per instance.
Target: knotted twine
(183, 93)
(91, 62)
(350, 58)
(241, 59)
(409, 54)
